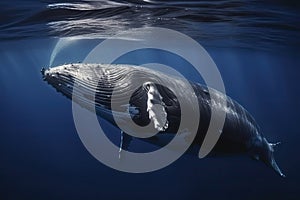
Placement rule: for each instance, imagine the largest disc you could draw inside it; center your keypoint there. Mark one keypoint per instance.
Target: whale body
(152, 102)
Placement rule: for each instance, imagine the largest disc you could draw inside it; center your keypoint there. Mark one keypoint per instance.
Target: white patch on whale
(156, 107)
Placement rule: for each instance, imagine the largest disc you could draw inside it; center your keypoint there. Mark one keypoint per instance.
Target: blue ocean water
(255, 45)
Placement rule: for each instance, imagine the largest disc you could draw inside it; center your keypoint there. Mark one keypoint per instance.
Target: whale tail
(267, 156)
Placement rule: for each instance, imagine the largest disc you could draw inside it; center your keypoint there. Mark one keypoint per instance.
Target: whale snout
(49, 75)
(60, 78)
(45, 73)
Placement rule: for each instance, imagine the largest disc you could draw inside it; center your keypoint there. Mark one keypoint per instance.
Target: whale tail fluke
(276, 168)
(268, 156)
(264, 151)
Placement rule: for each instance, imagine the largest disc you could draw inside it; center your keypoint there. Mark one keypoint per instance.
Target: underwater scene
(70, 70)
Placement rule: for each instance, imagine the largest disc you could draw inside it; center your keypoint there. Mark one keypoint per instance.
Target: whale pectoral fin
(274, 145)
(158, 115)
(156, 108)
(186, 135)
(276, 168)
(124, 143)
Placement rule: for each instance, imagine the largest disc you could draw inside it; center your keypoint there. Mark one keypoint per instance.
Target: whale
(98, 86)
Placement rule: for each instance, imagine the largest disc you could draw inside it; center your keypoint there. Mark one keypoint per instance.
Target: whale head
(97, 87)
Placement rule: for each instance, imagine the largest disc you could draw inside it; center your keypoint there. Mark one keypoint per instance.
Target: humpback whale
(152, 102)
